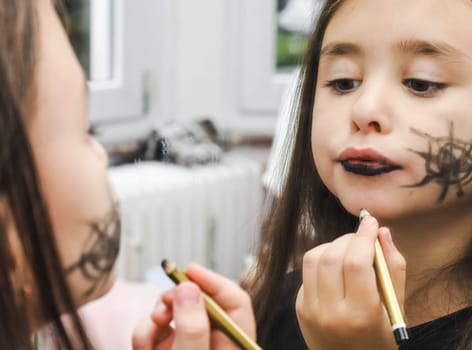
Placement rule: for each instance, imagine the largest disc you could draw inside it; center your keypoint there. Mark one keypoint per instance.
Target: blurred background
(191, 100)
(185, 95)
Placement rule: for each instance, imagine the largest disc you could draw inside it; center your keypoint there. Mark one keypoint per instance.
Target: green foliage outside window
(77, 25)
(289, 49)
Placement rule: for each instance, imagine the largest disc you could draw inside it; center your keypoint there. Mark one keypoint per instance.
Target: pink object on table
(110, 320)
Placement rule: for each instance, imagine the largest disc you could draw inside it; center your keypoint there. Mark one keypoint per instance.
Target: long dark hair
(305, 205)
(21, 201)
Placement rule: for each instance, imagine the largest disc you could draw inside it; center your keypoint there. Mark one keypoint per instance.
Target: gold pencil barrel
(388, 291)
(386, 285)
(218, 316)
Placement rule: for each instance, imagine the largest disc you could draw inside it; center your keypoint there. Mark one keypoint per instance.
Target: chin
(381, 208)
(390, 208)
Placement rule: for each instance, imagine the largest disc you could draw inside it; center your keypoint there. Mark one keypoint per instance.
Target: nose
(372, 110)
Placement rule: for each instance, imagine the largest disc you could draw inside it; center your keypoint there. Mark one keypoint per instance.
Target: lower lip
(366, 169)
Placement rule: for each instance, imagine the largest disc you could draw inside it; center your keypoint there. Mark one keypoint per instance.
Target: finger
(308, 291)
(359, 273)
(144, 335)
(306, 304)
(162, 313)
(396, 263)
(167, 298)
(330, 272)
(227, 294)
(224, 291)
(368, 228)
(192, 328)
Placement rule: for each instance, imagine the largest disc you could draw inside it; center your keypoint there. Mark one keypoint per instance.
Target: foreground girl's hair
(21, 202)
(305, 205)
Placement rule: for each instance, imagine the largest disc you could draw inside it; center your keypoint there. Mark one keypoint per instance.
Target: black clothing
(440, 334)
(283, 333)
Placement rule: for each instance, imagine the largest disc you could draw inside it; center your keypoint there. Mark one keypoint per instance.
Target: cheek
(77, 192)
(437, 118)
(321, 137)
(80, 195)
(74, 180)
(91, 269)
(326, 126)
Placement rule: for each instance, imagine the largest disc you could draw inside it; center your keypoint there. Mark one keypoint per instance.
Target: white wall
(200, 58)
(203, 55)
(208, 56)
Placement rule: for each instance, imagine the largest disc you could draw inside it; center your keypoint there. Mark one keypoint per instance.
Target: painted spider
(100, 251)
(448, 162)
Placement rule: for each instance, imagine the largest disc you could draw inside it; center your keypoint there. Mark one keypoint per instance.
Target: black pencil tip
(168, 266)
(164, 263)
(363, 213)
(401, 335)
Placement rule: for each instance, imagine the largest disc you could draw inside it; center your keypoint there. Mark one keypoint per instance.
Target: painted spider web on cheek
(448, 162)
(100, 251)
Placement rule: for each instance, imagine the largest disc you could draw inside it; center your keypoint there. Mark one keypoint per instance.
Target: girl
(384, 122)
(59, 222)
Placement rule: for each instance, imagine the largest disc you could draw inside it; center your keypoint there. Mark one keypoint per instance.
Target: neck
(430, 242)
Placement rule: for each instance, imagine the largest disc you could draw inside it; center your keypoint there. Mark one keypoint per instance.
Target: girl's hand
(184, 304)
(339, 305)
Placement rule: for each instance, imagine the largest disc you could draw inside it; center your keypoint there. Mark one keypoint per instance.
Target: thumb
(192, 327)
(396, 263)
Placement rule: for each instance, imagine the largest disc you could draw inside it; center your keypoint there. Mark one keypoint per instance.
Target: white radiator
(208, 214)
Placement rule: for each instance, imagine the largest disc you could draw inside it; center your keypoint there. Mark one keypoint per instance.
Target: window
(273, 41)
(78, 29)
(105, 42)
(294, 24)
(161, 60)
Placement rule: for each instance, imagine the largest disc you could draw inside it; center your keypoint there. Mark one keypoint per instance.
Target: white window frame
(247, 91)
(254, 86)
(119, 98)
(261, 84)
(102, 21)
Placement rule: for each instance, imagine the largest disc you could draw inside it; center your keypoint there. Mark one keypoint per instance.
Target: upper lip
(367, 155)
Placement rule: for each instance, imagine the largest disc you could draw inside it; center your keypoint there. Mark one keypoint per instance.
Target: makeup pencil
(386, 285)
(218, 316)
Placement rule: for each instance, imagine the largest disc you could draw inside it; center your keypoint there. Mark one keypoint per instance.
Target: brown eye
(423, 88)
(343, 86)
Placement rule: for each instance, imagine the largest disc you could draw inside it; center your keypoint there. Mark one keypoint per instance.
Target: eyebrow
(432, 49)
(340, 49)
(414, 47)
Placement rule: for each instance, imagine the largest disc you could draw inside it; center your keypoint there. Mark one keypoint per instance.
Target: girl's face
(72, 165)
(392, 119)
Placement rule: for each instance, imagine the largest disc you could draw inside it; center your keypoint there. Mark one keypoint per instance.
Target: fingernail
(369, 221)
(187, 294)
(160, 309)
(389, 238)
